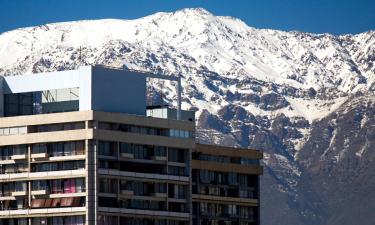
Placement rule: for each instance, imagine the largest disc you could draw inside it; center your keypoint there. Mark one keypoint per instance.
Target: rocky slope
(305, 99)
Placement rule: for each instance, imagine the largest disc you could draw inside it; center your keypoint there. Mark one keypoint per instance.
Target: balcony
(39, 155)
(127, 193)
(159, 195)
(39, 192)
(19, 193)
(127, 155)
(18, 157)
(7, 198)
(6, 161)
(159, 158)
(65, 195)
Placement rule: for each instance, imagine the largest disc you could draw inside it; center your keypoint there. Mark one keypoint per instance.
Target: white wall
(85, 84)
(42, 81)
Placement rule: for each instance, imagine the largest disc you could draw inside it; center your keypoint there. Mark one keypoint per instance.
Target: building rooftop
(97, 88)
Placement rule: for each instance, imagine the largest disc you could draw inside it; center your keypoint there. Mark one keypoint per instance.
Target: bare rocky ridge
(305, 99)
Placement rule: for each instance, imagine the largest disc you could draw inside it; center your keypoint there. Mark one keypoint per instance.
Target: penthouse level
(87, 88)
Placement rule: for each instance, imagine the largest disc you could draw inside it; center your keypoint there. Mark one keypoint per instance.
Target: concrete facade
(92, 135)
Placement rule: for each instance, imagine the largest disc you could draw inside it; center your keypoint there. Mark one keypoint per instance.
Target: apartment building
(225, 185)
(80, 147)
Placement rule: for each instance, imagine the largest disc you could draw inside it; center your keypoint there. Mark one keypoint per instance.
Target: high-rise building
(81, 147)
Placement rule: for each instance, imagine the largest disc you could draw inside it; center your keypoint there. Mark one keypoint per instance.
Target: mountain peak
(197, 11)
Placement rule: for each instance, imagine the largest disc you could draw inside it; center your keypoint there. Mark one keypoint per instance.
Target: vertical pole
(190, 188)
(179, 98)
(2, 106)
(29, 182)
(91, 178)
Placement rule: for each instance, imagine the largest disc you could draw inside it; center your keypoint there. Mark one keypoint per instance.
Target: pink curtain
(73, 186)
(70, 186)
(67, 202)
(37, 203)
(67, 186)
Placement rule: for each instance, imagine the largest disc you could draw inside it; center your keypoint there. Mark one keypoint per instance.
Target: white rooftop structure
(97, 88)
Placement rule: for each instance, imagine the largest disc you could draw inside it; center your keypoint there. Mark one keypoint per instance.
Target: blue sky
(318, 16)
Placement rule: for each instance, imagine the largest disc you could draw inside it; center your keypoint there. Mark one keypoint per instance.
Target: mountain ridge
(221, 40)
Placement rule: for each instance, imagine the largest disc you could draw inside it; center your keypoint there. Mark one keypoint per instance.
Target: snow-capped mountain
(281, 92)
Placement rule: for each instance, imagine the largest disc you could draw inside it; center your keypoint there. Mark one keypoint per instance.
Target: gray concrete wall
(116, 90)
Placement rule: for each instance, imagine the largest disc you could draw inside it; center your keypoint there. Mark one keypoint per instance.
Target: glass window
(39, 185)
(160, 151)
(20, 186)
(160, 187)
(107, 148)
(232, 178)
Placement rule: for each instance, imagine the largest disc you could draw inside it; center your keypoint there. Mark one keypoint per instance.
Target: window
(18, 104)
(176, 155)
(247, 212)
(13, 168)
(146, 130)
(108, 202)
(80, 185)
(244, 180)
(160, 188)
(57, 149)
(58, 166)
(59, 220)
(108, 220)
(177, 191)
(20, 186)
(126, 185)
(141, 188)
(19, 149)
(247, 161)
(57, 127)
(244, 193)
(180, 133)
(177, 171)
(108, 186)
(6, 152)
(126, 148)
(232, 178)
(160, 151)
(232, 210)
(13, 130)
(76, 185)
(107, 148)
(39, 148)
(204, 176)
(140, 152)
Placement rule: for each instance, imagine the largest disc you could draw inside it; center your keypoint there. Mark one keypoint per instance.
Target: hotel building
(81, 147)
